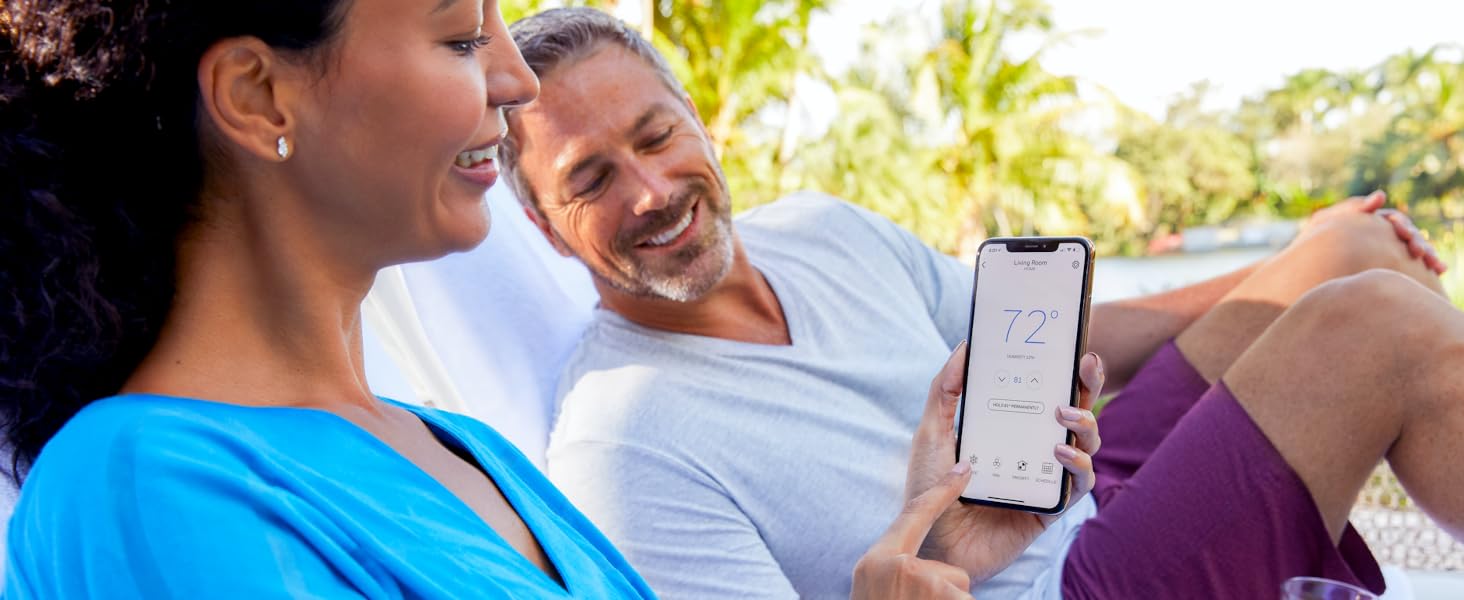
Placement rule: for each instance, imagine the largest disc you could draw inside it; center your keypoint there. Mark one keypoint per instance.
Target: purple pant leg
(1195, 502)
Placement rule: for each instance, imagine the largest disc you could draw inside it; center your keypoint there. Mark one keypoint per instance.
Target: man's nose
(656, 190)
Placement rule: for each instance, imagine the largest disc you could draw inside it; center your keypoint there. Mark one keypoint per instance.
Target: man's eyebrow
(443, 5)
(651, 113)
(646, 117)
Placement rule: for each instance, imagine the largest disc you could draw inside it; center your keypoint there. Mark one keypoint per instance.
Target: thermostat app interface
(1024, 340)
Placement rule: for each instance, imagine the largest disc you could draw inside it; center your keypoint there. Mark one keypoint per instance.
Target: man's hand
(1403, 227)
(984, 540)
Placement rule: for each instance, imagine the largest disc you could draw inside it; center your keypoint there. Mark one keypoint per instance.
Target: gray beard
(678, 287)
(686, 288)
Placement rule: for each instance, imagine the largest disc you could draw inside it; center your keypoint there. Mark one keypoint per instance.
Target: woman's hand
(890, 570)
(983, 540)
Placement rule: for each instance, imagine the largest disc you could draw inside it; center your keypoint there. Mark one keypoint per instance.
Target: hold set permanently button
(1015, 406)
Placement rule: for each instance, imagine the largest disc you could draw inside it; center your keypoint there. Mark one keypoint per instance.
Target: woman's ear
(248, 92)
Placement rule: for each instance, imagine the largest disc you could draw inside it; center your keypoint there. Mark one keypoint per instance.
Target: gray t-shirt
(724, 469)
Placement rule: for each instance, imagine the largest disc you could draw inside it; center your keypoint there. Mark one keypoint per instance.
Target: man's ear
(686, 98)
(542, 224)
(247, 91)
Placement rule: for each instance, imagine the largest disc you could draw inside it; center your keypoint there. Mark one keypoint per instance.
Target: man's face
(626, 177)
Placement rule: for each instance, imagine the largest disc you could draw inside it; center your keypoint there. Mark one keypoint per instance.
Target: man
(739, 413)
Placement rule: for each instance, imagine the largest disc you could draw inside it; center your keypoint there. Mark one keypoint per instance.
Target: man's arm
(1125, 333)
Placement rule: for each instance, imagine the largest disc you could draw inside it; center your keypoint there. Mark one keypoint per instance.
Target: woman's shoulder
(124, 456)
(160, 464)
(142, 419)
(149, 437)
(149, 495)
(126, 420)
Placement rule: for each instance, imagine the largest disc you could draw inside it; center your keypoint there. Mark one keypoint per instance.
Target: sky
(1149, 51)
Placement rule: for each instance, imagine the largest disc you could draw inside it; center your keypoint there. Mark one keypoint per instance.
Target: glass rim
(1301, 581)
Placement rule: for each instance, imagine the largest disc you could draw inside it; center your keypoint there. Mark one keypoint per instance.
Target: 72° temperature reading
(1034, 318)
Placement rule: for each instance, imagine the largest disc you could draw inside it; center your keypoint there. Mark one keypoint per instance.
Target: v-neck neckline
(788, 302)
(497, 473)
(446, 433)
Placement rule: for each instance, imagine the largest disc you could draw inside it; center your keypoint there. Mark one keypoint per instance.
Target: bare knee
(1380, 318)
(1338, 365)
(1419, 333)
(1364, 299)
(1341, 329)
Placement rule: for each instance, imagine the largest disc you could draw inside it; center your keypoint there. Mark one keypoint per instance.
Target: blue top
(144, 496)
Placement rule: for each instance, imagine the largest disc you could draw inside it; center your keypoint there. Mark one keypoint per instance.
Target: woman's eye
(468, 47)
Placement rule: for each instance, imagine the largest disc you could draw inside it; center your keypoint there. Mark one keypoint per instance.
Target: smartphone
(1029, 329)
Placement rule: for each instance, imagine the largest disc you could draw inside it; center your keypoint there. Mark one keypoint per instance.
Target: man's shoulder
(616, 377)
(809, 221)
(797, 210)
(609, 342)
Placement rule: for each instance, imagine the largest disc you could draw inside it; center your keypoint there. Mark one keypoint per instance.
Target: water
(1116, 278)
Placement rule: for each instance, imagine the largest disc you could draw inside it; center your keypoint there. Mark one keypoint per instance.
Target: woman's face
(393, 147)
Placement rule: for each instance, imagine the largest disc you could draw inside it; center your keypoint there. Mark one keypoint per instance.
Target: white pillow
(485, 332)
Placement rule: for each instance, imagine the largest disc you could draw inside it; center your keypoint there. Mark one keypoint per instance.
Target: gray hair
(562, 36)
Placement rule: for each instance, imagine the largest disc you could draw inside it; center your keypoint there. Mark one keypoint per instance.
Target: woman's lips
(484, 173)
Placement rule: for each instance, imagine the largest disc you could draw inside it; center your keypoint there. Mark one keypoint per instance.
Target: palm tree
(1013, 160)
(867, 157)
(1305, 99)
(1420, 157)
(736, 57)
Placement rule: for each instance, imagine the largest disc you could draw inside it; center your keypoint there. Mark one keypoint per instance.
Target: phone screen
(1027, 317)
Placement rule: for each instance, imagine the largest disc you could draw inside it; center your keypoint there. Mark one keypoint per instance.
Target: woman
(198, 195)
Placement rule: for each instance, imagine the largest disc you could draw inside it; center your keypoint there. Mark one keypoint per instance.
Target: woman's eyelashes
(470, 47)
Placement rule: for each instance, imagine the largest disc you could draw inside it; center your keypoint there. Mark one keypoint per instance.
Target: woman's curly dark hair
(100, 168)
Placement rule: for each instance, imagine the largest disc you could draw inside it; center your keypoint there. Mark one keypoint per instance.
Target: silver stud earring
(283, 148)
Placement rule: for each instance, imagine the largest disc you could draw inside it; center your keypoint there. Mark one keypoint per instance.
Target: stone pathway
(1398, 533)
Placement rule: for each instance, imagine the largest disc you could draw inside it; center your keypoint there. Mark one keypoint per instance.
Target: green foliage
(1449, 241)
(1009, 144)
(1192, 169)
(514, 10)
(858, 160)
(736, 57)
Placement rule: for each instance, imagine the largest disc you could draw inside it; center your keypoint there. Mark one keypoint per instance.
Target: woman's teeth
(473, 158)
(672, 233)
